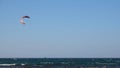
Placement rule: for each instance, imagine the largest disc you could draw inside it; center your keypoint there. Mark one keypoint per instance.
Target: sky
(60, 29)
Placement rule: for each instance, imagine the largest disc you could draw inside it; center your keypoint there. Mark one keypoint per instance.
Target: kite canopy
(22, 19)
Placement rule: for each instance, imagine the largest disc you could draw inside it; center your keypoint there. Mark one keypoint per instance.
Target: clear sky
(60, 28)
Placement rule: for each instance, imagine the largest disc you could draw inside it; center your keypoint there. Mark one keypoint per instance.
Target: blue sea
(59, 62)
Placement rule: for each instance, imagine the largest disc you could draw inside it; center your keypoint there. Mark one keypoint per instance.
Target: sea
(59, 62)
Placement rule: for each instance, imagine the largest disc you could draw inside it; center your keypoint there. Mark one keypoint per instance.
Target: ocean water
(59, 62)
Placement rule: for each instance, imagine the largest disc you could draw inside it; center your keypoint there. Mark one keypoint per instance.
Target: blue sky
(60, 28)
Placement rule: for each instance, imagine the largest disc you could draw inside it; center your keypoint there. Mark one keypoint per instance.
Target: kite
(22, 19)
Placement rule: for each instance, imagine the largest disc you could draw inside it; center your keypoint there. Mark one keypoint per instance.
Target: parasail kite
(22, 19)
